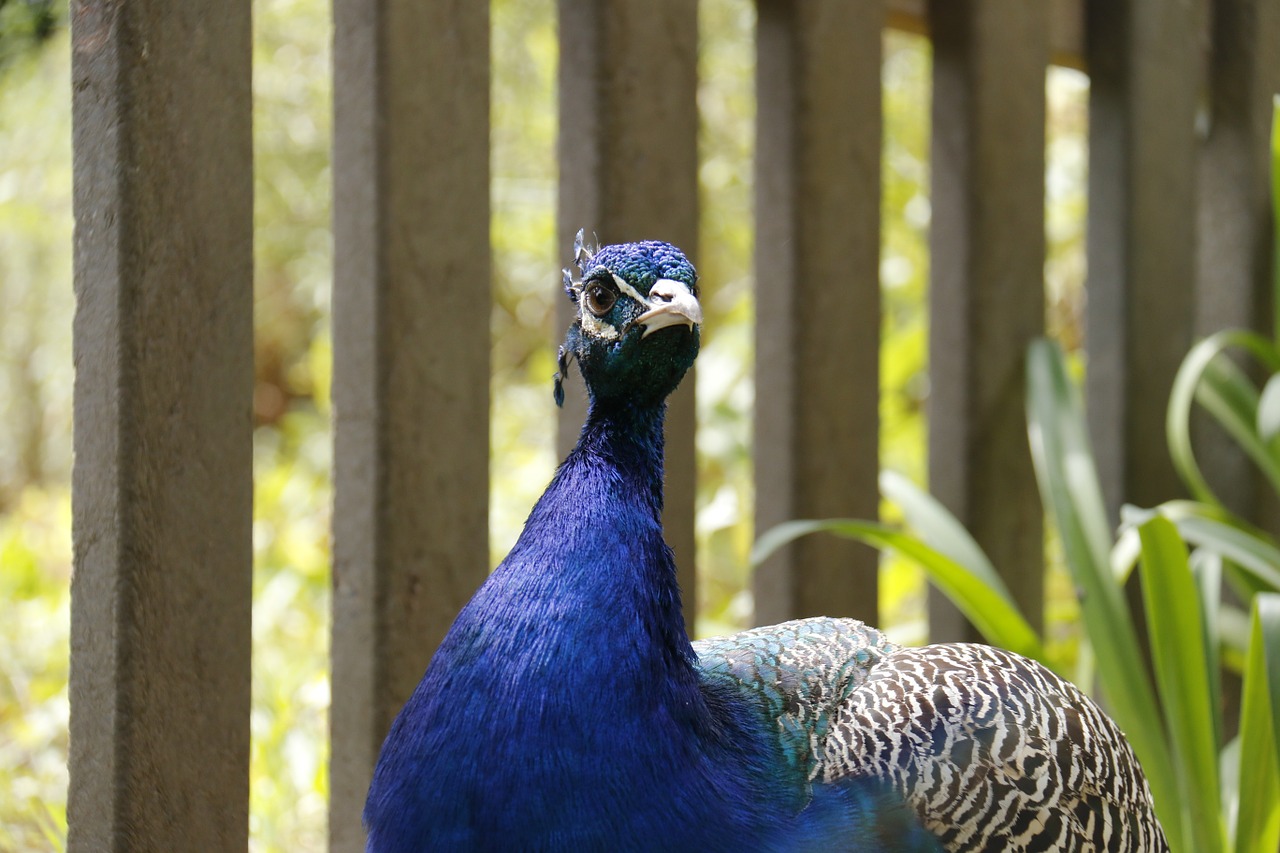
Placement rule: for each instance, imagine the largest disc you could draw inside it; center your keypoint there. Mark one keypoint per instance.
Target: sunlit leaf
(1177, 649)
(1250, 550)
(939, 529)
(1069, 489)
(1222, 395)
(1233, 635)
(1206, 569)
(988, 608)
(1269, 409)
(1230, 396)
(1257, 827)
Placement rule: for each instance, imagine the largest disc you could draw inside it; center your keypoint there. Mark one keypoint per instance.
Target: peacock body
(568, 710)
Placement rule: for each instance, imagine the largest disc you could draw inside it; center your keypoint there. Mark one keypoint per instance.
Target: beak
(670, 304)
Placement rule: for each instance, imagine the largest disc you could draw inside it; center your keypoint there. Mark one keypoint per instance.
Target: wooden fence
(1178, 243)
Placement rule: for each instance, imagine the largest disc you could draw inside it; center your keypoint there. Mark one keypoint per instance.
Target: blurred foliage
(526, 262)
(293, 262)
(293, 254)
(35, 273)
(25, 25)
(726, 390)
(35, 573)
(289, 721)
(35, 435)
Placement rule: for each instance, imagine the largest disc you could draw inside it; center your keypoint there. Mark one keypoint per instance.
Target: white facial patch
(629, 290)
(593, 325)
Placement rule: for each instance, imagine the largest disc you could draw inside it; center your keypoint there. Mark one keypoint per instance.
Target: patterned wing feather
(799, 673)
(994, 752)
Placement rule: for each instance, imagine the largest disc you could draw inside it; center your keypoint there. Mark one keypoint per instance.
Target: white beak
(670, 304)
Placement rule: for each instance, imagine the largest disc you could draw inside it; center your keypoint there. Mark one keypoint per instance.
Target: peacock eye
(599, 299)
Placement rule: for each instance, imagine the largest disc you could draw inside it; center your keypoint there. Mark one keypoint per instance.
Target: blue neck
(592, 548)
(568, 671)
(627, 442)
(564, 709)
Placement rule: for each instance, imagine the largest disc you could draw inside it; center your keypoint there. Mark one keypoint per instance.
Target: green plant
(1211, 796)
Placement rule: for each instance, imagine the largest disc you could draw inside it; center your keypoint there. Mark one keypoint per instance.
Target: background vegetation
(293, 265)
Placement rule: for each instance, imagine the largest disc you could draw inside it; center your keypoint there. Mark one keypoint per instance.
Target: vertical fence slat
(1143, 61)
(628, 156)
(1235, 226)
(411, 359)
(1066, 26)
(162, 484)
(818, 298)
(986, 280)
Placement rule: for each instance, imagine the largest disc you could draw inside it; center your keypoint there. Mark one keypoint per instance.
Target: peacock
(567, 709)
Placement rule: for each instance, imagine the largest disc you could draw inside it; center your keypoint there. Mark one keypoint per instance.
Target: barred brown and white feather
(992, 751)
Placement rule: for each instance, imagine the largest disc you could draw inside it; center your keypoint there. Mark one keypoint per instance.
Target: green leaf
(1178, 652)
(1249, 549)
(1233, 636)
(939, 529)
(1069, 488)
(1245, 584)
(1125, 553)
(1064, 463)
(1269, 409)
(1229, 395)
(1206, 568)
(1229, 773)
(990, 610)
(1257, 825)
(1222, 396)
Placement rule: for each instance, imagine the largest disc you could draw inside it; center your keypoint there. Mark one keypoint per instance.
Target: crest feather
(582, 250)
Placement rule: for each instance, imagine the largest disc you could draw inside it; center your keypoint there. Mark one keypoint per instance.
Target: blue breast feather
(567, 710)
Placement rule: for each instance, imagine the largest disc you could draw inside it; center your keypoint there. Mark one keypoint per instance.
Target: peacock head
(637, 325)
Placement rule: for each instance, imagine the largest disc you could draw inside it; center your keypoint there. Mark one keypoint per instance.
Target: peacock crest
(583, 252)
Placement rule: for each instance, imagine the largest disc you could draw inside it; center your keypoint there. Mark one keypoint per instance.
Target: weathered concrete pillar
(1236, 231)
(1144, 61)
(411, 359)
(162, 486)
(986, 301)
(817, 261)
